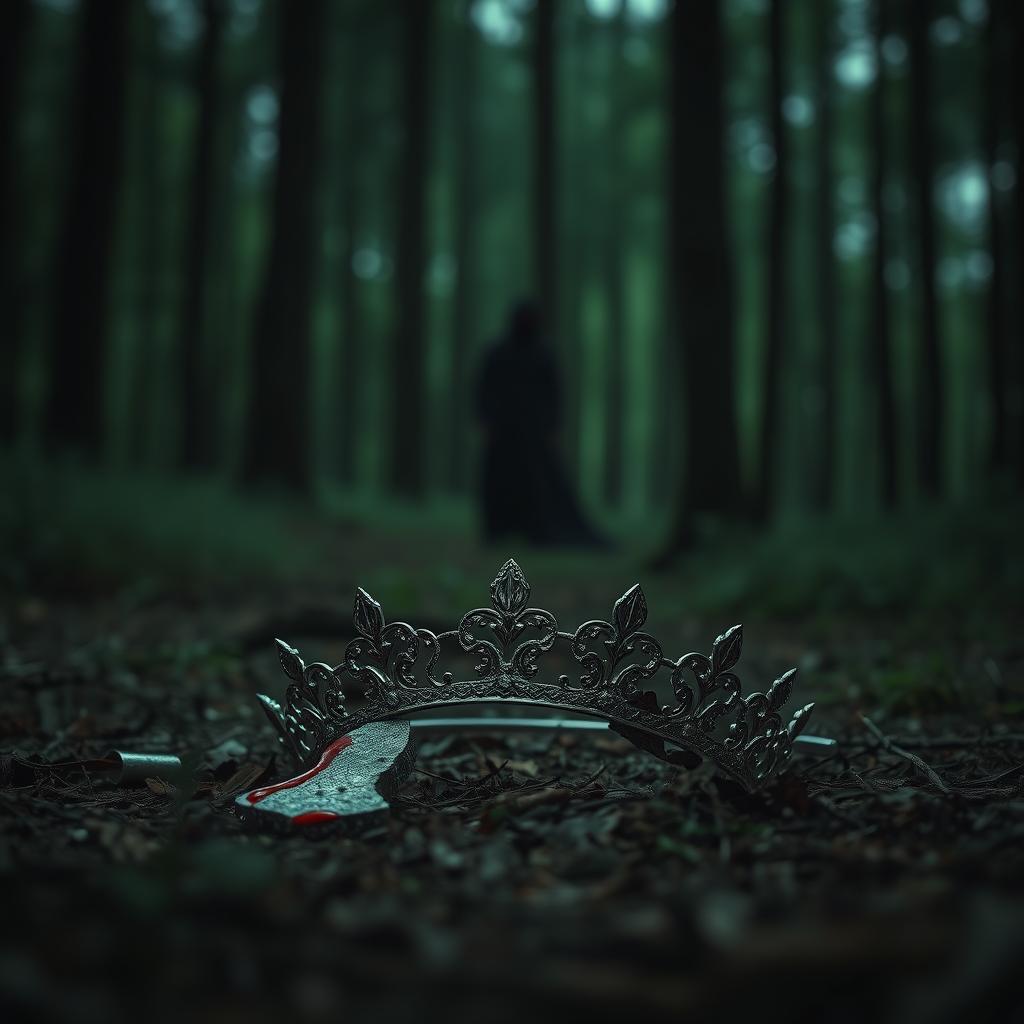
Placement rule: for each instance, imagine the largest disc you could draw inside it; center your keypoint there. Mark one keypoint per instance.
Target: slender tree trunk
(348, 420)
(464, 312)
(279, 442)
(223, 286)
(351, 336)
(881, 343)
(828, 326)
(197, 446)
(84, 255)
(545, 184)
(996, 85)
(614, 244)
(15, 20)
(1017, 77)
(777, 277)
(930, 428)
(147, 240)
(577, 228)
(407, 440)
(699, 293)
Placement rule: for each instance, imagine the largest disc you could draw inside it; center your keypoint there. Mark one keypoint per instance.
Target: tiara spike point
(292, 664)
(367, 616)
(799, 721)
(618, 668)
(510, 590)
(630, 611)
(781, 690)
(276, 716)
(726, 650)
(272, 709)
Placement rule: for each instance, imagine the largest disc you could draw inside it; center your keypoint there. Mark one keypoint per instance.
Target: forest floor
(550, 875)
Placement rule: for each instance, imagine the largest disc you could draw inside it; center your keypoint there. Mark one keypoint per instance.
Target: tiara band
(393, 670)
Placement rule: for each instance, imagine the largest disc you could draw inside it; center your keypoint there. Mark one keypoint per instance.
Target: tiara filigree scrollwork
(613, 665)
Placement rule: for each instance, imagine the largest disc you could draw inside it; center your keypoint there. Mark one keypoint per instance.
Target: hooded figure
(525, 487)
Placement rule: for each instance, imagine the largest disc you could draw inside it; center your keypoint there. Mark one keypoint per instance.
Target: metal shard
(349, 784)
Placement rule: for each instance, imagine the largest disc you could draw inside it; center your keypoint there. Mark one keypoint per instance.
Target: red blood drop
(313, 817)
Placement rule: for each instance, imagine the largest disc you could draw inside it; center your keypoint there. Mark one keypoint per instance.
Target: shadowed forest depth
(725, 298)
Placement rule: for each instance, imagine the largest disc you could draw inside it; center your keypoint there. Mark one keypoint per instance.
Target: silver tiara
(511, 653)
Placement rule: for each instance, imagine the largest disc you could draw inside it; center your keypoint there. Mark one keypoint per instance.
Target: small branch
(953, 742)
(888, 745)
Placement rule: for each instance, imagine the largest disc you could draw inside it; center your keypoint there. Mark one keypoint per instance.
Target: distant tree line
(223, 337)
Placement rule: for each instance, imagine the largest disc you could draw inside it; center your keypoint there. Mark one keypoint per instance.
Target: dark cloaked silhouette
(525, 487)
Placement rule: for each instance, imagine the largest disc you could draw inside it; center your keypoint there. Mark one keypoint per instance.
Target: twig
(464, 783)
(579, 787)
(952, 742)
(913, 759)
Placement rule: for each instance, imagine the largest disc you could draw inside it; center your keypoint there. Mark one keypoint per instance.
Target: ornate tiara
(612, 670)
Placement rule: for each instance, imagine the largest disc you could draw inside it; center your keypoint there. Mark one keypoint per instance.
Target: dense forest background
(254, 255)
(776, 244)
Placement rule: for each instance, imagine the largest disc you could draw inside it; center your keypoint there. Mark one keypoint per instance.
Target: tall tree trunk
(197, 442)
(930, 426)
(828, 325)
(545, 178)
(1017, 63)
(279, 442)
(577, 231)
(223, 285)
(777, 277)
(614, 243)
(15, 21)
(880, 340)
(351, 336)
(700, 291)
(148, 238)
(997, 85)
(407, 366)
(84, 255)
(467, 188)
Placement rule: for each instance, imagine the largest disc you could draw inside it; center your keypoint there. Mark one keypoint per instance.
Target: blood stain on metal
(329, 754)
(314, 818)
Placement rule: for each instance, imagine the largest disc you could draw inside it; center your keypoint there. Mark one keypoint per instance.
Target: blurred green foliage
(133, 516)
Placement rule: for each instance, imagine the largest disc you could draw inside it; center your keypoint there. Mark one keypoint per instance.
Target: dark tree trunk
(350, 324)
(996, 86)
(84, 255)
(197, 442)
(1017, 63)
(614, 243)
(223, 299)
(147, 240)
(578, 229)
(467, 188)
(777, 277)
(828, 325)
(279, 445)
(407, 365)
(545, 183)
(699, 289)
(14, 29)
(930, 426)
(880, 339)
